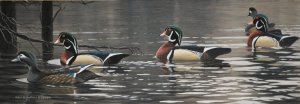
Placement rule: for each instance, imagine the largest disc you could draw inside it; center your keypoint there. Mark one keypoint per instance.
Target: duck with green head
(251, 27)
(169, 52)
(71, 56)
(62, 75)
(261, 37)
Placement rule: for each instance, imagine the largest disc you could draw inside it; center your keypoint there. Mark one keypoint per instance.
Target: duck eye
(21, 55)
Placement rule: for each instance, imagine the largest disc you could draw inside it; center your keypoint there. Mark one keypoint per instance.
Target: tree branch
(58, 11)
(133, 50)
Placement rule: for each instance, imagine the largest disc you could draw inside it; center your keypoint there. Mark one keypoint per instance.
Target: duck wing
(70, 76)
(108, 58)
(192, 48)
(207, 53)
(102, 55)
(213, 52)
(58, 79)
(287, 41)
(55, 69)
(85, 76)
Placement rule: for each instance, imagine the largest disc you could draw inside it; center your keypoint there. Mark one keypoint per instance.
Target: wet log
(47, 29)
(8, 41)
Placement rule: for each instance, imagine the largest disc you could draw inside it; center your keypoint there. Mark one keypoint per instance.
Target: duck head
(261, 23)
(252, 12)
(69, 42)
(173, 33)
(26, 58)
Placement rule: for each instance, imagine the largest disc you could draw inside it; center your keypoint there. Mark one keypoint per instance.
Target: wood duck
(71, 75)
(169, 52)
(71, 56)
(261, 37)
(251, 27)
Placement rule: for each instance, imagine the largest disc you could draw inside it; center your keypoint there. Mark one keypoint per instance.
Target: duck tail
(287, 41)
(114, 58)
(213, 52)
(84, 75)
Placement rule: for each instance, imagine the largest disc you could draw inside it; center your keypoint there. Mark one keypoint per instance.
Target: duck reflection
(273, 60)
(180, 68)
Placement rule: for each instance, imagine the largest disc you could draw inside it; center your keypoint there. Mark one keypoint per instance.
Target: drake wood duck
(261, 37)
(71, 56)
(71, 75)
(169, 52)
(251, 27)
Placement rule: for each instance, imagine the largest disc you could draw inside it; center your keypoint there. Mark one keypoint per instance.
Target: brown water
(267, 76)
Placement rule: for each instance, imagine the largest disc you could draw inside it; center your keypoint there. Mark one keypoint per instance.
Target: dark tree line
(8, 41)
(9, 34)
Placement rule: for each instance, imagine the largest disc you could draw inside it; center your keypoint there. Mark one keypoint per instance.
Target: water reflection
(260, 77)
(266, 76)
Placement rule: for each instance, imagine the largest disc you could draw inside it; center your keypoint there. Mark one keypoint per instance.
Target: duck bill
(15, 60)
(163, 34)
(57, 41)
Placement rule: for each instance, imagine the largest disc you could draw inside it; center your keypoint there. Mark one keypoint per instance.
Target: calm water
(243, 77)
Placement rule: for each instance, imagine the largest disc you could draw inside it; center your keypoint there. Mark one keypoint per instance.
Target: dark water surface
(267, 76)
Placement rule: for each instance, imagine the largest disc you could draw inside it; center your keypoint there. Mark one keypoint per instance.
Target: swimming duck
(251, 27)
(169, 52)
(71, 56)
(261, 37)
(69, 75)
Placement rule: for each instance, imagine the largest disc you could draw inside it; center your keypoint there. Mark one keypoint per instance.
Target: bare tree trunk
(47, 29)
(8, 41)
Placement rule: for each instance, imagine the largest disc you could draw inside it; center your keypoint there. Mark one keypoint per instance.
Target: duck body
(71, 56)
(262, 37)
(36, 75)
(169, 52)
(267, 41)
(187, 53)
(62, 75)
(92, 57)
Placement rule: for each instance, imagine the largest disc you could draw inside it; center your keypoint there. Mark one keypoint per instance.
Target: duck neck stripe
(170, 37)
(179, 38)
(74, 45)
(68, 61)
(170, 56)
(266, 24)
